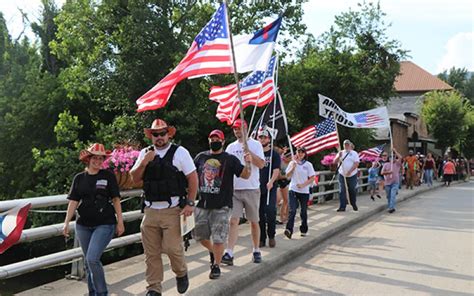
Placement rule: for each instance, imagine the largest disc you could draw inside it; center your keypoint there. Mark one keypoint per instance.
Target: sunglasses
(384, 155)
(159, 134)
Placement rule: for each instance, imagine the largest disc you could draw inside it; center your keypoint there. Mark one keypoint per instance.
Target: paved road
(425, 248)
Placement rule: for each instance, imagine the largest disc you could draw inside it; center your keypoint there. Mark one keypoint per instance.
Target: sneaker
(182, 284)
(391, 211)
(152, 293)
(340, 210)
(304, 234)
(355, 208)
(215, 272)
(211, 258)
(227, 259)
(271, 242)
(372, 198)
(261, 244)
(257, 257)
(378, 195)
(288, 233)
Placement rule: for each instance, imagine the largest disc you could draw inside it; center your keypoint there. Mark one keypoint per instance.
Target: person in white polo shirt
(246, 194)
(348, 169)
(302, 175)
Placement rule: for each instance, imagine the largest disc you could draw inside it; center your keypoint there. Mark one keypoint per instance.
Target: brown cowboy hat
(157, 125)
(94, 149)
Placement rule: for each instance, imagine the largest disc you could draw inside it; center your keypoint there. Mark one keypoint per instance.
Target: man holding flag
(348, 169)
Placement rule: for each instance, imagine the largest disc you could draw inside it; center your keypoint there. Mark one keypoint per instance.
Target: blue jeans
(391, 191)
(352, 185)
(267, 214)
(302, 199)
(429, 177)
(93, 241)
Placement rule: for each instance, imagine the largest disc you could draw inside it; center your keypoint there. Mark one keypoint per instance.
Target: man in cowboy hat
(167, 170)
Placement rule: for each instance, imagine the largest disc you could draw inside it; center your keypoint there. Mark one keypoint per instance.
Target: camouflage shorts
(211, 224)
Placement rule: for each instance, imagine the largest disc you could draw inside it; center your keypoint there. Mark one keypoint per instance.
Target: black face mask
(215, 146)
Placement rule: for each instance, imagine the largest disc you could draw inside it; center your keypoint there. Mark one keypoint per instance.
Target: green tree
(445, 114)
(460, 79)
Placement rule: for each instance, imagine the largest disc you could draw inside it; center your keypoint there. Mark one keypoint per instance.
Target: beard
(160, 143)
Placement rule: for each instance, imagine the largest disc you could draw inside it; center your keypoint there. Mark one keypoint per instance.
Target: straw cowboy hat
(157, 125)
(94, 149)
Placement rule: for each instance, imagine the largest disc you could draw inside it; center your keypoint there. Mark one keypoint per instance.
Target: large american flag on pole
(257, 86)
(317, 137)
(209, 54)
(372, 152)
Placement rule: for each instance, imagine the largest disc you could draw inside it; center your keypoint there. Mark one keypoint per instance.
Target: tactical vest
(162, 180)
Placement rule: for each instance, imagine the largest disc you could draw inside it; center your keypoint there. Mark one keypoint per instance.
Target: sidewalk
(127, 276)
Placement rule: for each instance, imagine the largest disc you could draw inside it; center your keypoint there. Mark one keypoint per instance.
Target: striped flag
(259, 84)
(11, 225)
(209, 54)
(365, 119)
(372, 152)
(317, 137)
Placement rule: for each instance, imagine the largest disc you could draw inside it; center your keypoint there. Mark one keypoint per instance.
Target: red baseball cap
(217, 133)
(238, 123)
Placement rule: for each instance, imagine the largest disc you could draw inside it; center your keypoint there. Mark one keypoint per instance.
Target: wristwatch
(190, 202)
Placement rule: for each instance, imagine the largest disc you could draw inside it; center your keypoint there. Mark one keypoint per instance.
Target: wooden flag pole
(236, 76)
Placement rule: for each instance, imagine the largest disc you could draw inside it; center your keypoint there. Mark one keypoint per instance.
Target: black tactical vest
(162, 180)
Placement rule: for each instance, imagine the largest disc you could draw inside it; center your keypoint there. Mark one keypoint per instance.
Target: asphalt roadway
(425, 248)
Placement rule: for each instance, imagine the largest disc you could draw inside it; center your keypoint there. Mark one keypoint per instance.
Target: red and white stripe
(12, 224)
(213, 58)
(229, 109)
(306, 138)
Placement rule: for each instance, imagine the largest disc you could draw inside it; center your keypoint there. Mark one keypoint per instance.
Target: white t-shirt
(348, 162)
(236, 148)
(300, 175)
(181, 160)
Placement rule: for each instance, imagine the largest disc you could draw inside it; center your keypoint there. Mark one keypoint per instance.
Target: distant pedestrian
(383, 159)
(96, 196)
(391, 172)
(347, 174)
(283, 182)
(302, 175)
(429, 167)
(411, 167)
(373, 179)
(449, 170)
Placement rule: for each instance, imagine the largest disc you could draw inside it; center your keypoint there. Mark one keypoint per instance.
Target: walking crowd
(255, 178)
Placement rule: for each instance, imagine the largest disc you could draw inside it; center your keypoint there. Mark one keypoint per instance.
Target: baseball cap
(264, 133)
(217, 133)
(238, 123)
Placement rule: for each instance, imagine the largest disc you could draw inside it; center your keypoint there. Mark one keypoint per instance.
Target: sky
(439, 34)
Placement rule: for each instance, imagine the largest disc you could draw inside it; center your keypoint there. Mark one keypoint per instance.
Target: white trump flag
(373, 118)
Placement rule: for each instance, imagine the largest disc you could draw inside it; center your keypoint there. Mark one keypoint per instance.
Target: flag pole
(270, 172)
(236, 77)
(285, 121)
(339, 150)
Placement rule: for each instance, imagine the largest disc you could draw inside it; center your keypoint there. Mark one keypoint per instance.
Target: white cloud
(458, 52)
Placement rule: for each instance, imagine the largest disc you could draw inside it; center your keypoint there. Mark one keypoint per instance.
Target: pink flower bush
(366, 158)
(122, 159)
(328, 159)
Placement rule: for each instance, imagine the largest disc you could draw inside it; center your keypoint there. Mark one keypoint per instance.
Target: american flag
(367, 119)
(317, 137)
(209, 54)
(372, 152)
(256, 84)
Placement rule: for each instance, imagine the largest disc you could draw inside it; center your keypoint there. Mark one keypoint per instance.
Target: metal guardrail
(48, 231)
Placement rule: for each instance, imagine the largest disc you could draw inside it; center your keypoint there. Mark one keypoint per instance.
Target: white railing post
(321, 188)
(77, 268)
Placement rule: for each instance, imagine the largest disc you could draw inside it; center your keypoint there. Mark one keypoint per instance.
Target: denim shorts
(372, 185)
(211, 224)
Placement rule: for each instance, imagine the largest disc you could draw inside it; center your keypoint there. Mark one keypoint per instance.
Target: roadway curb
(235, 281)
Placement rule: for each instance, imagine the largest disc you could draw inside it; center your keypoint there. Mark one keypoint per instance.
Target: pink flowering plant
(122, 159)
(367, 158)
(328, 159)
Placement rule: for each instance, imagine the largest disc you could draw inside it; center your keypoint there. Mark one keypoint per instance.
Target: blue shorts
(372, 185)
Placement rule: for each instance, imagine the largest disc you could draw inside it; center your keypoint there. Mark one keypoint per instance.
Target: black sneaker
(355, 208)
(152, 293)
(288, 233)
(211, 258)
(391, 211)
(378, 195)
(215, 272)
(372, 198)
(340, 210)
(227, 259)
(182, 284)
(257, 257)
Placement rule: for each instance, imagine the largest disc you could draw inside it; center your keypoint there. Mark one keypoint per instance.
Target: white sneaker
(304, 233)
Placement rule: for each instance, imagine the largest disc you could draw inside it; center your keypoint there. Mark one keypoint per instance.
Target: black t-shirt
(95, 193)
(265, 171)
(216, 178)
